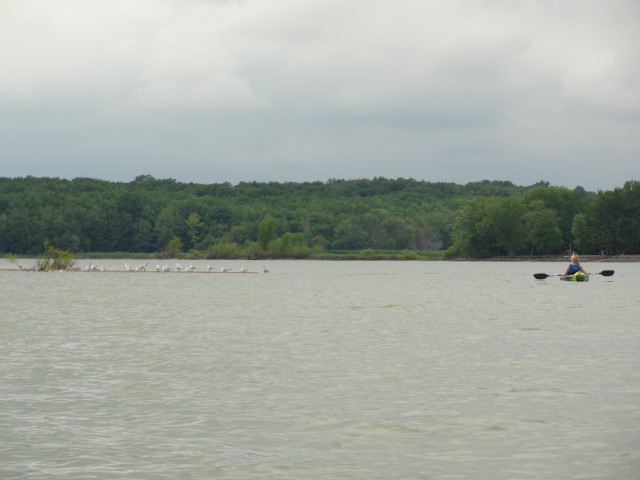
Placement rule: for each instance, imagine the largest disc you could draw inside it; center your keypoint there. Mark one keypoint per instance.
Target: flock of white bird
(177, 268)
(94, 268)
(164, 268)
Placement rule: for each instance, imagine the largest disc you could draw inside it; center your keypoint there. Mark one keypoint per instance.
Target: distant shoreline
(549, 259)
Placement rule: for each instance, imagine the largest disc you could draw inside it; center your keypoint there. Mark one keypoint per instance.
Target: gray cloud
(298, 90)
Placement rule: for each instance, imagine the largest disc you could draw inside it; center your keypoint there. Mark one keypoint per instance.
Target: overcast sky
(212, 91)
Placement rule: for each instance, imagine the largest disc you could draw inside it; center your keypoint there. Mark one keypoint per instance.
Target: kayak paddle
(604, 273)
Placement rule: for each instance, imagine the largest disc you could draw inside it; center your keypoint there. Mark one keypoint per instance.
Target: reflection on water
(316, 370)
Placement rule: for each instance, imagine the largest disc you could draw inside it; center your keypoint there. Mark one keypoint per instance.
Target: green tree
(55, 259)
(169, 224)
(504, 225)
(358, 232)
(194, 227)
(611, 222)
(543, 233)
(565, 202)
(145, 236)
(489, 226)
(469, 239)
(267, 231)
(584, 238)
(290, 245)
(175, 247)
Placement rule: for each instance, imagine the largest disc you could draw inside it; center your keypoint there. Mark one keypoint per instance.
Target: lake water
(321, 370)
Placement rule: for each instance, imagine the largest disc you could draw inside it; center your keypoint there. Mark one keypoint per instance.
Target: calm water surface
(321, 370)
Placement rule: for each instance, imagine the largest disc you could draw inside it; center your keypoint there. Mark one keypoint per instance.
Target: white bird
(127, 267)
(209, 267)
(243, 270)
(166, 268)
(222, 269)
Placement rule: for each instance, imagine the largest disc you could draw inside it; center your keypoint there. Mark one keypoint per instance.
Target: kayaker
(574, 266)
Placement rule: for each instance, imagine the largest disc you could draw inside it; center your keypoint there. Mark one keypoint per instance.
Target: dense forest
(164, 217)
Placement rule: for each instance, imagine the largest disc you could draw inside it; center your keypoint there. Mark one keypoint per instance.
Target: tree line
(301, 220)
(550, 220)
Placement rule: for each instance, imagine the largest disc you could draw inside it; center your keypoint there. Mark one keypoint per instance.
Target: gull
(127, 267)
(209, 267)
(222, 269)
(166, 268)
(191, 267)
(264, 269)
(141, 268)
(158, 268)
(243, 270)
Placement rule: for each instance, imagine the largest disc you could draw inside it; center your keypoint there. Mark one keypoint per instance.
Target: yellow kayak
(576, 277)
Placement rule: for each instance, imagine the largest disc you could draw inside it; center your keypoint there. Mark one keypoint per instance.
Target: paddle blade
(541, 276)
(607, 273)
